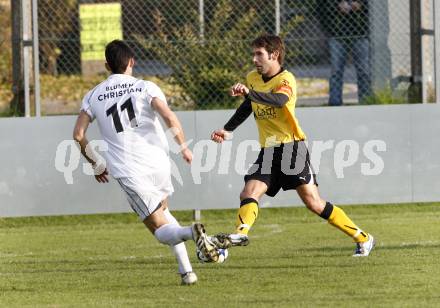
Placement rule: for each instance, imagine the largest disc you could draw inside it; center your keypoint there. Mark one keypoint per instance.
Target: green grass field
(294, 259)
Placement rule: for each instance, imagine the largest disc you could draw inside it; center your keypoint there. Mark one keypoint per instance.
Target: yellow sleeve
(286, 85)
(249, 79)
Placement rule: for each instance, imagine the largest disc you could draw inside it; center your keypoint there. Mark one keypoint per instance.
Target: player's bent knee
(167, 235)
(314, 205)
(245, 195)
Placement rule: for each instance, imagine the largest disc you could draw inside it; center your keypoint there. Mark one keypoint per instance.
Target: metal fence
(341, 52)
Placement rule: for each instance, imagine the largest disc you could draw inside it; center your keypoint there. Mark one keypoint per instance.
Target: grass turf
(294, 259)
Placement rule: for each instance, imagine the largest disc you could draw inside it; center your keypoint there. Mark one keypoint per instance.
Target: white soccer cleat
(365, 248)
(203, 243)
(239, 239)
(189, 278)
(225, 241)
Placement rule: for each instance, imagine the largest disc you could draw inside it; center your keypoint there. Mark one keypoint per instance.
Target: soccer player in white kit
(126, 110)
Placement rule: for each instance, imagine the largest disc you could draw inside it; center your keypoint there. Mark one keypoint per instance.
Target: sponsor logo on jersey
(266, 112)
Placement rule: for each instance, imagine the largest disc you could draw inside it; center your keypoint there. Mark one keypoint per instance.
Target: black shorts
(285, 166)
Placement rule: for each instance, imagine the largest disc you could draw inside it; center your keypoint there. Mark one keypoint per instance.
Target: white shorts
(144, 193)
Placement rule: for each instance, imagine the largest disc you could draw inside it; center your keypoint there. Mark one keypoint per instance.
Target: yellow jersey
(276, 125)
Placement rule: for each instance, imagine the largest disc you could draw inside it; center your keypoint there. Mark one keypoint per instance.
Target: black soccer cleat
(225, 241)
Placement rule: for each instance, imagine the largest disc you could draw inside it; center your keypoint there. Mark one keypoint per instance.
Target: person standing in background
(346, 24)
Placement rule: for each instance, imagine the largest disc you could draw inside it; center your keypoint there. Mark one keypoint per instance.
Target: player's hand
(187, 155)
(239, 89)
(103, 177)
(219, 135)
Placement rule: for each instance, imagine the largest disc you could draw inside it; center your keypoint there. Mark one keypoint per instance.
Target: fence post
(437, 50)
(277, 17)
(415, 90)
(17, 102)
(27, 43)
(202, 20)
(197, 215)
(35, 49)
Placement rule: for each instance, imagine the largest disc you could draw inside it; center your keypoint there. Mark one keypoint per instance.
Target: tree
(5, 44)
(206, 66)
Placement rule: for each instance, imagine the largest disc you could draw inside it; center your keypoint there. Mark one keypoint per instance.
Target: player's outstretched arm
(173, 123)
(240, 115)
(79, 134)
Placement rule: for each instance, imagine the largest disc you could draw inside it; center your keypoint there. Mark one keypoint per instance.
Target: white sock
(181, 254)
(172, 234)
(179, 250)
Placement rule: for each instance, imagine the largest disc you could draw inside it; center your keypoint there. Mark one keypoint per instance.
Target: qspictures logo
(212, 158)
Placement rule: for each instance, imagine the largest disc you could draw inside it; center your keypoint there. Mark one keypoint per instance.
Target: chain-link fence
(341, 52)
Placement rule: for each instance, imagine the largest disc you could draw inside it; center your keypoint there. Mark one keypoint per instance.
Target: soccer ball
(222, 256)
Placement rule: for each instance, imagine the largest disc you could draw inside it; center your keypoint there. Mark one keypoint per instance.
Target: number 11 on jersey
(113, 110)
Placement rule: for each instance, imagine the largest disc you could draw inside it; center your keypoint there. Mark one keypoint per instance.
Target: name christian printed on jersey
(117, 91)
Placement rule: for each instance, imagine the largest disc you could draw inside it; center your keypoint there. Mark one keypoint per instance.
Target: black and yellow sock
(337, 217)
(247, 214)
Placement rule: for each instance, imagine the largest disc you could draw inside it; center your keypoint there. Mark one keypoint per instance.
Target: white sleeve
(86, 105)
(154, 91)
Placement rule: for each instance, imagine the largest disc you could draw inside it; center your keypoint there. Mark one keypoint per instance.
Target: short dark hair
(117, 55)
(271, 43)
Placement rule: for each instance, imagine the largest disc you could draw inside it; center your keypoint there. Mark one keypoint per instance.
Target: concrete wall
(30, 183)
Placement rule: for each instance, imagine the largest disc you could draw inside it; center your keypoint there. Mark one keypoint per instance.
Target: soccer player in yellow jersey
(283, 161)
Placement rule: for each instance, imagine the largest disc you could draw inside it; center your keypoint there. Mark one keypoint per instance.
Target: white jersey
(137, 144)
